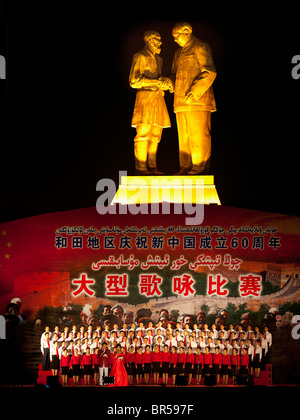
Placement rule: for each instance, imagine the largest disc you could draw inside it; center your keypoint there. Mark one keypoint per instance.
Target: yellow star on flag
(5, 244)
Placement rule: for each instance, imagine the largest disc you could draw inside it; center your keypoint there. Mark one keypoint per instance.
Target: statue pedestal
(173, 189)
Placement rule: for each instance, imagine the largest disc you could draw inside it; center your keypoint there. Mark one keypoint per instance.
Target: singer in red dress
(118, 369)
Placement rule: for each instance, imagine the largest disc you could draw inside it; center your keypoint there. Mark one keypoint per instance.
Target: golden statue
(150, 113)
(193, 73)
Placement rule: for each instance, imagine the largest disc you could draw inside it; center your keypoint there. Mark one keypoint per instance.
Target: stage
(144, 402)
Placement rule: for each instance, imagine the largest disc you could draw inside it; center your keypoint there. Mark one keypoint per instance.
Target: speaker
(181, 380)
(53, 381)
(107, 380)
(210, 380)
(244, 380)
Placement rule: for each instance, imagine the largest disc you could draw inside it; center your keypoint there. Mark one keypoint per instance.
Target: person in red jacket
(189, 366)
(147, 364)
(207, 360)
(235, 364)
(198, 364)
(86, 364)
(156, 363)
(181, 360)
(75, 366)
(165, 364)
(217, 361)
(95, 365)
(173, 364)
(112, 356)
(64, 365)
(226, 365)
(139, 365)
(244, 359)
(130, 364)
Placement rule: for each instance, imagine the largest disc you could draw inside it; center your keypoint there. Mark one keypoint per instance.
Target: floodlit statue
(193, 71)
(150, 113)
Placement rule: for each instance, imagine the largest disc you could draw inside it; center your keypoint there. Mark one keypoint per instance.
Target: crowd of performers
(137, 351)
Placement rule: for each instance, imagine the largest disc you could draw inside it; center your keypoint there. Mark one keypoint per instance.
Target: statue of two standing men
(193, 73)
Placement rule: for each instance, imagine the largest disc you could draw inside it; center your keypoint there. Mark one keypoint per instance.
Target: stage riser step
(42, 379)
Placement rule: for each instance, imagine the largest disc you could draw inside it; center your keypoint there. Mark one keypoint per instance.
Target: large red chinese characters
(83, 283)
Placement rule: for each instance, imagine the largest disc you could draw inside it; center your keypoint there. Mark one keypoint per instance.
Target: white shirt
(225, 334)
(237, 347)
(130, 339)
(93, 347)
(140, 340)
(244, 346)
(202, 346)
(57, 333)
(238, 334)
(257, 350)
(83, 348)
(160, 347)
(206, 333)
(78, 347)
(144, 333)
(43, 336)
(185, 339)
(250, 351)
(152, 329)
(215, 334)
(212, 347)
(188, 330)
(113, 339)
(126, 345)
(162, 338)
(104, 340)
(61, 351)
(268, 337)
(150, 339)
(74, 333)
(248, 334)
(221, 347)
(53, 352)
(193, 345)
(229, 334)
(70, 349)
(90, 334)
(204, 339)
(125, 331)
(162, 331)
(178, 338)
(198, 332)
(144, 345)
(44, 344)
(229, 348)
(264, 345)
(171, 343)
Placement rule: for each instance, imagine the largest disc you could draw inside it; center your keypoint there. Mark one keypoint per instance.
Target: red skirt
(119, 372)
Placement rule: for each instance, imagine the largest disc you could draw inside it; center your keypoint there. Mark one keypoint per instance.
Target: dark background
(66, 105)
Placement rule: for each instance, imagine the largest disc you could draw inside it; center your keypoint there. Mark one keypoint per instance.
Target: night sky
(69, 107)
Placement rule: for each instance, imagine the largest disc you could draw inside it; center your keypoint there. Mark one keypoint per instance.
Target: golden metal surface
(193, 72)
(173, 189)
(150, 113)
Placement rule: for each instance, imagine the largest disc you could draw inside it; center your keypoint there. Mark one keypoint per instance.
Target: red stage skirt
(119, 372)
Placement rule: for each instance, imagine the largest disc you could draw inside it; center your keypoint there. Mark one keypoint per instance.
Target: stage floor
(146, 401)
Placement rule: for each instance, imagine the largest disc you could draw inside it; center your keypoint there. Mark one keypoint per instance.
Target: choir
(155, 350)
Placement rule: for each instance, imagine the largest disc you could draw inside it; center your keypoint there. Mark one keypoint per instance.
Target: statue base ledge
(194, 189)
